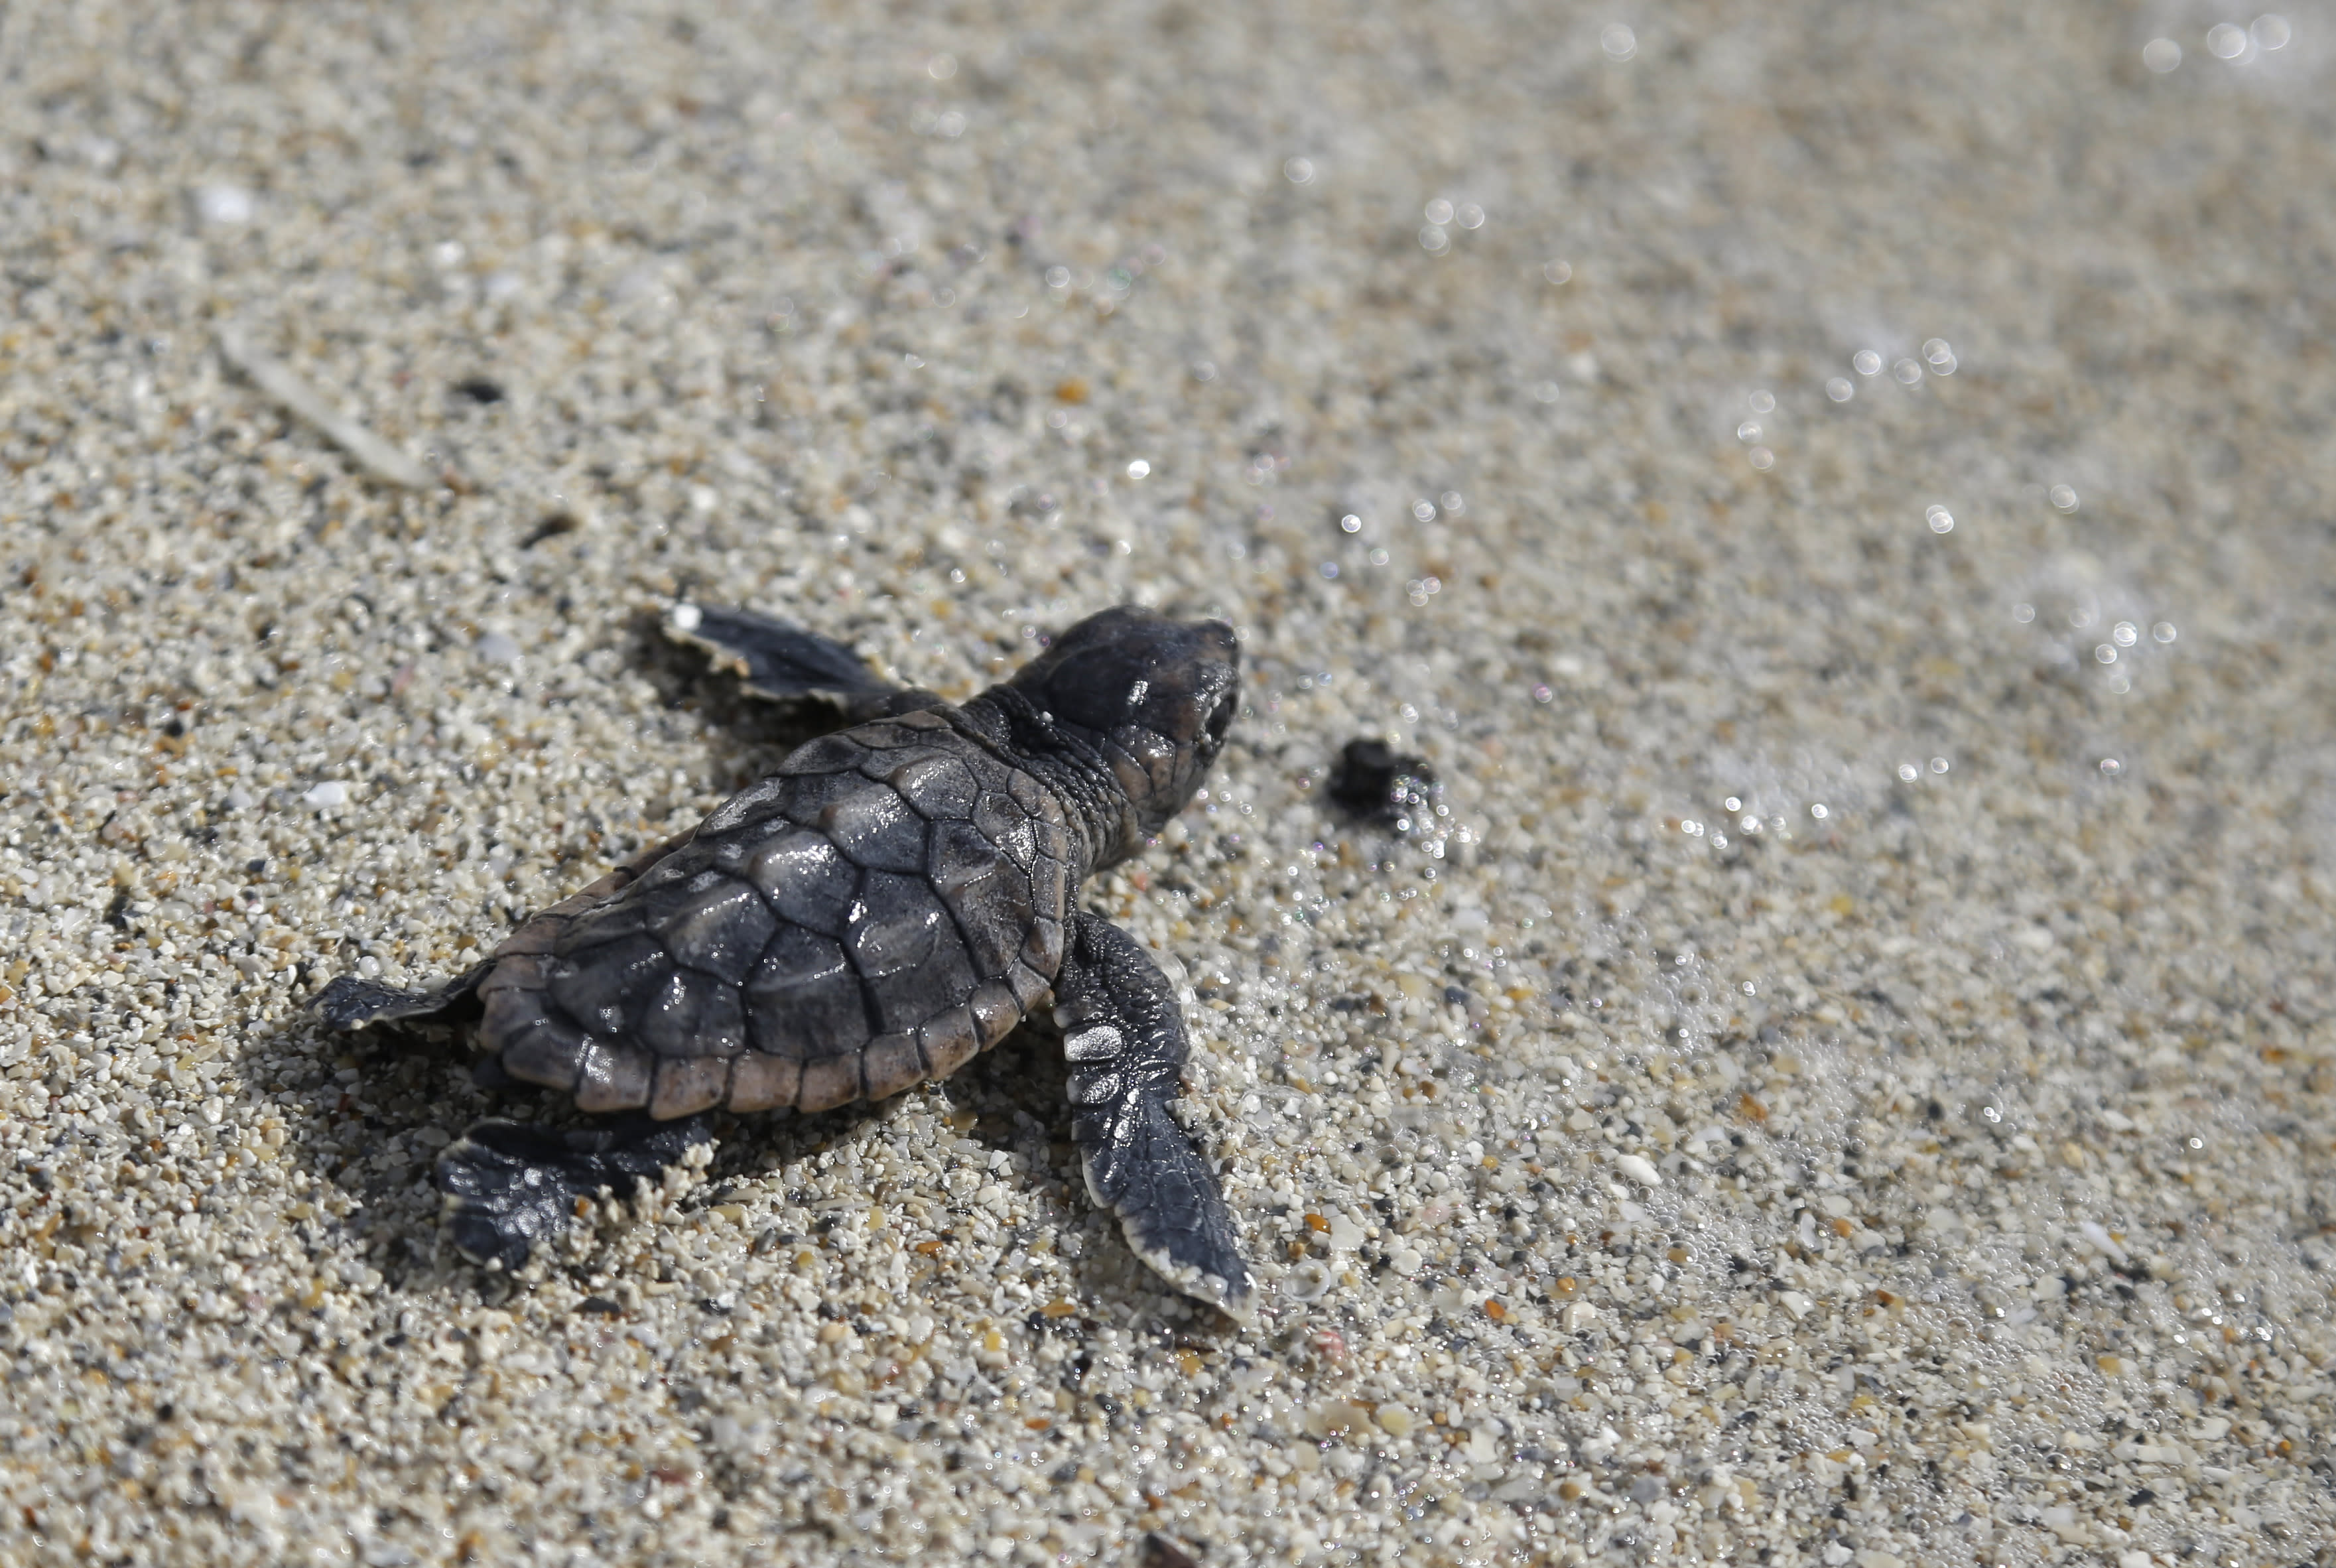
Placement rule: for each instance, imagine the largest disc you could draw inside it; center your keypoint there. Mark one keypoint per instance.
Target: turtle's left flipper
(509, 1185)
(350, 1002)
(1123, 1037)
(783, 663)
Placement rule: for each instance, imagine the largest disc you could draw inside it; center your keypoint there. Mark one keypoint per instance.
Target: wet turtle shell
(888, 903)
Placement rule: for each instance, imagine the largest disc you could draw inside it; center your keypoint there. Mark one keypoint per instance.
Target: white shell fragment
(280, 382)
(1640, 1169)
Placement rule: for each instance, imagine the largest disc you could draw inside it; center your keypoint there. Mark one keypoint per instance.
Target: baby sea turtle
(888, 903)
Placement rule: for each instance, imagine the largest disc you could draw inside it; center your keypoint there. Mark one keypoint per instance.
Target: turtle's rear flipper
(509, 1185)
(350, 1002)
(1123, 1037)
(787, 664)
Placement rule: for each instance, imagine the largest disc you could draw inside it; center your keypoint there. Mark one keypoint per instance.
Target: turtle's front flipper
(350, 1002)
(509, 1185)
(787, 664)
(1124, 1038)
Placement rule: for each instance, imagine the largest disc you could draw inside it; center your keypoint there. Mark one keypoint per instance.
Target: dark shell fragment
(1387, 788)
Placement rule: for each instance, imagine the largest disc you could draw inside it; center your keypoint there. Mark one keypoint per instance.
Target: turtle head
(1153, 695)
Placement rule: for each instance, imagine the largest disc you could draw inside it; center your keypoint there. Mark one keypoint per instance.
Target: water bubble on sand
(1423, 510)
(1350, 523)
(1865, 362)
(1545, 391)
(1298, 170)
(1748, 431)
(1378, 556)
(1438, 212)
(2063, 497)
(1453, 502)
(2226, 40)
(1734, 803)
(1906, 372)
(2163, 631)
(2023, 613)
(1762, 458)
(1839, 389)
(1618, 42)
(2111, 768)
(1557, 270)
(1138, 469)
(1764, 402)
(2104, 654)
(1470, 215)
(1433, 240)
(2125, 634)
(1941, 520)
(1819, 812)
(2270, 31)
(1908, 773)
(1941, 357)
(2161, 55)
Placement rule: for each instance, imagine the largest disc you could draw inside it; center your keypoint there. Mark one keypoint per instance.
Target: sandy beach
(1840, 496)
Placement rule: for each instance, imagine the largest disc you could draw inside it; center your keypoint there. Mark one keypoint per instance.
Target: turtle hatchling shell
(888, 903)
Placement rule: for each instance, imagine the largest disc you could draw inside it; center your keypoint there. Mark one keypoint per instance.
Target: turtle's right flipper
(509, 1185)
(786, 664)
(1124, 1037)
(350, 1002)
